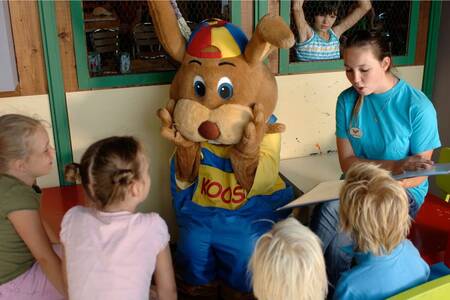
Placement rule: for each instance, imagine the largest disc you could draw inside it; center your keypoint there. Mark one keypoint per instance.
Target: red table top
(56, 201)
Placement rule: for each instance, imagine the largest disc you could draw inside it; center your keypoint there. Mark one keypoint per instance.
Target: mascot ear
(271, 33)
(166, 27)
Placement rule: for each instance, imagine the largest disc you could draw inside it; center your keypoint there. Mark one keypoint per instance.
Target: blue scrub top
(390, 126)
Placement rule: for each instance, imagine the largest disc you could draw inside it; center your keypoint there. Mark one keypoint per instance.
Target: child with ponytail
(111, 251)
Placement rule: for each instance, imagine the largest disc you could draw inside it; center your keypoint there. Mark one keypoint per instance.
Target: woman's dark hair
(314, 8)
(107, 168)
(362, 38)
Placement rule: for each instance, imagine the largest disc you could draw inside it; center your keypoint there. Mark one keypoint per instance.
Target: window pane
(121, 39)
(390, 18)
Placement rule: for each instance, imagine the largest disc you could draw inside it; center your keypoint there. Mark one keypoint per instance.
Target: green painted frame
(287, 67)
(56, 93)
(261, 8)
(85, 81)
(429, 71)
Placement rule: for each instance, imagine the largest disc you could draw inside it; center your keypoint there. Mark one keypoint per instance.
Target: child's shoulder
(15, 195)
(72, 213)
(76, 210)
(151, 218)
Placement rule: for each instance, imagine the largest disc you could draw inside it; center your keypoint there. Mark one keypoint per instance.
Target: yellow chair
(438, 289)
(443, 181)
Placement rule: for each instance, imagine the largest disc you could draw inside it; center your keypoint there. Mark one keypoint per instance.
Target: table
(306, 172)
(56, 201)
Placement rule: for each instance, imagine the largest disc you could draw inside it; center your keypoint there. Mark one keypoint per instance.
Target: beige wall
(306, 105)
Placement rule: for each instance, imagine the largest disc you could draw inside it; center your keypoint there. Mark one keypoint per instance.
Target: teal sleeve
(341, 119)
(425, 134)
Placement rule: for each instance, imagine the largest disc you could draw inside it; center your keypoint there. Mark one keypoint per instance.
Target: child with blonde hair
(288, 264)
(110, 250)
(374, 211)
(29, 267)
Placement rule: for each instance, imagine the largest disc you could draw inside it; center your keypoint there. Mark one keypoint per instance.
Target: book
(436, 169)
(325, 191)
(329, 190)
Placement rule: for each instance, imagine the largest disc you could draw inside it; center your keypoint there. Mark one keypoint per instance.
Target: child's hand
(366, 4)
(297, 5)
(168, 128)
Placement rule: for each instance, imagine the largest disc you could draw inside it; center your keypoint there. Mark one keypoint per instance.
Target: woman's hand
(412, 163)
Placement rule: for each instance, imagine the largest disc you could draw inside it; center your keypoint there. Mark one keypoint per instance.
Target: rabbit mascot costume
(224, 174)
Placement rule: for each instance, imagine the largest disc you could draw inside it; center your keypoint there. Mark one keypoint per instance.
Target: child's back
(111, 255)
(111, 252)
(374, 210)
(379, 277)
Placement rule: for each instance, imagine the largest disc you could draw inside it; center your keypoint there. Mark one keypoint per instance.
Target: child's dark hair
(314, 8)
(379, 44)
(107, 169)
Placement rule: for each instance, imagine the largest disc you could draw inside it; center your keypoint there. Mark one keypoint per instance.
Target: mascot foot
(228, 293)
(197, 292)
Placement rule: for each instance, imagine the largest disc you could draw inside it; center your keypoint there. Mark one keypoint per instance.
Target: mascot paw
(168, 128)
(253, 133)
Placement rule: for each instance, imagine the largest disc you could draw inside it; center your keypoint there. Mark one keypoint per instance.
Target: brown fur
(253, 83)
(239, 122)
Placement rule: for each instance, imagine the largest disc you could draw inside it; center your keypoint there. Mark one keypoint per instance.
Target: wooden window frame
(85, 81)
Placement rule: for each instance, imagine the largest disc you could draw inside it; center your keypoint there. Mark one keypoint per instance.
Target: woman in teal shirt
(380, 119)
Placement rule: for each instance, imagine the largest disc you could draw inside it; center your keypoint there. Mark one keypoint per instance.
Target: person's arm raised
(352, 18)
(28, 225)
(303, 29)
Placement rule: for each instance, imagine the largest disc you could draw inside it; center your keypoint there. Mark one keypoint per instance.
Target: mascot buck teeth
(224, 173)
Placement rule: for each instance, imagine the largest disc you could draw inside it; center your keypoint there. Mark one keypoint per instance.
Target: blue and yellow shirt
(217, 186)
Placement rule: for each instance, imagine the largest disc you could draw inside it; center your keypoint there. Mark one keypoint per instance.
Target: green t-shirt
(15, 257)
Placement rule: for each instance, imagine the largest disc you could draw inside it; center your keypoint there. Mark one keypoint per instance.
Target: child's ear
(17, 165)
(134, 188)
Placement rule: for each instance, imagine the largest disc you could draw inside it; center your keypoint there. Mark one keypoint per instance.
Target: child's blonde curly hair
(373, 209)
(288, 264)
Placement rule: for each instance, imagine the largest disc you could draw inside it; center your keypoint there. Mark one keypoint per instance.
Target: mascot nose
(209, 130)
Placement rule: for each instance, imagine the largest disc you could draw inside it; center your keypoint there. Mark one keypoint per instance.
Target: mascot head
(222, 74)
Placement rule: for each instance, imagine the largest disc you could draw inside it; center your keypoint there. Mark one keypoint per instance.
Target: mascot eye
(199, 86)
(225, 88)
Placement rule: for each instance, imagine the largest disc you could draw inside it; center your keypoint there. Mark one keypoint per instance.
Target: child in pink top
(110, 250)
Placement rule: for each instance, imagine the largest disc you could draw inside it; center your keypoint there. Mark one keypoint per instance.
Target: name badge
(356, 132)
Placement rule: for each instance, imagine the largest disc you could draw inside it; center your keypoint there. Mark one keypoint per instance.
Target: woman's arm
(352, 18)
(303, 28)
(164, 276)
(411, 163)
(29, 227)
